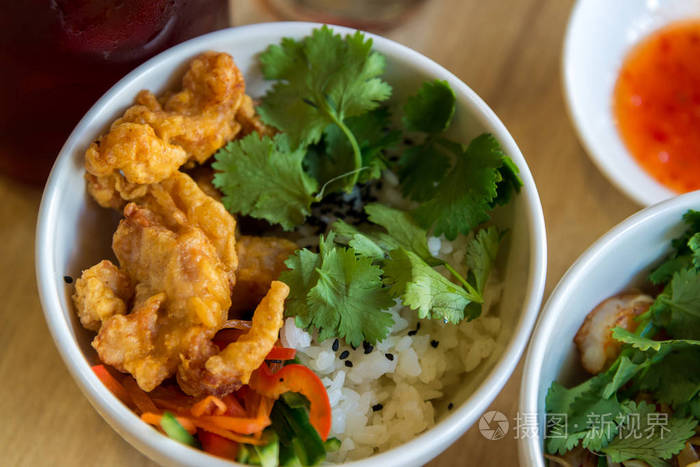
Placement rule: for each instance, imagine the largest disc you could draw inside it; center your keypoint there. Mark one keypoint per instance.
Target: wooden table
(507, 51)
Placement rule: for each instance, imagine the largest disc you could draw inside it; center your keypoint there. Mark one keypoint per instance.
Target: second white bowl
(619, 260)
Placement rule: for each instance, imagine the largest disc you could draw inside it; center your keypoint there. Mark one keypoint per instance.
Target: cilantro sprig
(322, 80)
(667, 370)
(327, 100)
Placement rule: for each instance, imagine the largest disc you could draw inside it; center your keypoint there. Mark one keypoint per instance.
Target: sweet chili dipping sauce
(657, 105)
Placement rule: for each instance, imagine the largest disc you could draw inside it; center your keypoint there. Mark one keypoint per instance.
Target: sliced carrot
(111, 383)
(154, 419)
(281, 353)
(210, 405)
(244, 426)
(296, 378)
(218, 445)
(141, 400)
(213, 428)
(233, 407)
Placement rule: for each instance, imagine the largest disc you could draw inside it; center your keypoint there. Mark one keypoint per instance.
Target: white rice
(379, 402)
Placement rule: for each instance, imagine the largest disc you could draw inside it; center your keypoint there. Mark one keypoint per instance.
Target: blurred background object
(369, 15)
(60, 56)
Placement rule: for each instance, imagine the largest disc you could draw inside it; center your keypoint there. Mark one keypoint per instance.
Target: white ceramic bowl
(73, 233)
(599, 35)
(619, 260)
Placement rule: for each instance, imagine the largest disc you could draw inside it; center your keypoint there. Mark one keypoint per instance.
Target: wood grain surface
(508, 51)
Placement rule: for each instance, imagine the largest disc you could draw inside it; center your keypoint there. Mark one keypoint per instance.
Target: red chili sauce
(657, 105)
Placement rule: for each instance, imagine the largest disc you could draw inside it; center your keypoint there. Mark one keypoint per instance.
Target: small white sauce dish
(599, 36)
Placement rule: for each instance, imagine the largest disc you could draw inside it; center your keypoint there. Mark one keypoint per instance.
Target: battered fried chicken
(225, 371)
(101, 292)
(182, 296)
(180, 202)
(154, 138)
(260, 261)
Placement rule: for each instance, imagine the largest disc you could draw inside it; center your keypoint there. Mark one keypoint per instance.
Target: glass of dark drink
(59, 56)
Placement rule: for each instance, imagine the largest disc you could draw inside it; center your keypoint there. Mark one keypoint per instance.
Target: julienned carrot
(213, 428)
(154, 419)
(210, 405)
(217, 445)
(172, 406)
(141, 400)
(244, 426)
(233, 407)
(112, 384)
(281, 353)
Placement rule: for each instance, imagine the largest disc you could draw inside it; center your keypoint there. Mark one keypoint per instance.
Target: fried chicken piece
(229, 369)
(182, 298)
(101, 292)
(260, 261)
(113, 191)
(179, 201)
(154, 138)
(136, 151)
(204, 177)
(250, 120)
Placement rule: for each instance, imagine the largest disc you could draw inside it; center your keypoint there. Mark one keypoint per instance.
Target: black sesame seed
(412, 333)
(377, 407)
(408, 141)
(450, 406)
(389, 356)
(344, 354)
(394, 158)
(417, 326)
(281, 380)
(335, 346)
(354, 347)
(348, 363)
(368, 347)
(68, 279)
(434, 344)
(379, 185)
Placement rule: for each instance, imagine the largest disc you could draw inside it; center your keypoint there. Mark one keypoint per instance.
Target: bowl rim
(640, 194)
(421, 448)
(530, 448)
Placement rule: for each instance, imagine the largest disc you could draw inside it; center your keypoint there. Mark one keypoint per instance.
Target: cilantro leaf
(676, 379)
(510, 183)
(260, 177)
(656, 442)
(338, 293)
(481, 253)
(677, 308)
(562, 401)
(399, 231)
(665, 271)
(421, 168)
(332, 157)
(370, 242)
(322, 79)
(403, 229)
(463, 199)
(422, 288)
(431, 109)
